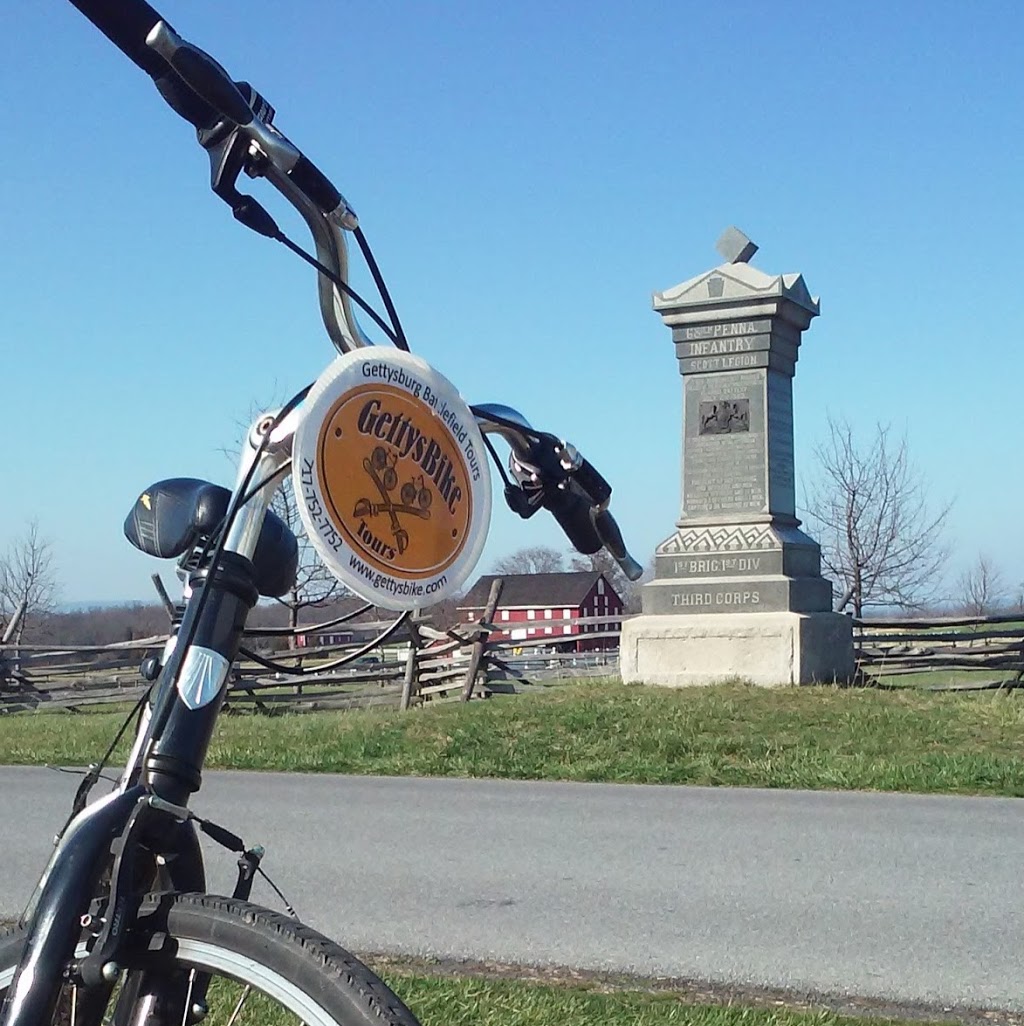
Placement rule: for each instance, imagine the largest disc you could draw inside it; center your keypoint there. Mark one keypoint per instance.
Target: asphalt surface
(891, 897)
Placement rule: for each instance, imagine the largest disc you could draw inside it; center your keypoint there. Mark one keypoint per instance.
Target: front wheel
(225, 962)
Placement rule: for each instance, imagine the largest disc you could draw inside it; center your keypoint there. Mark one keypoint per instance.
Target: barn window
(547, 614)
(600, 585)
(504, 614)
(529, 614)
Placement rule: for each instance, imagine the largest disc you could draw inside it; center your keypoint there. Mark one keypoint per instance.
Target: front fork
(62, 900)
(133, 823)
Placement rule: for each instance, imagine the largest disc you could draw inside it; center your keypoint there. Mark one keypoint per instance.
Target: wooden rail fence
(968, 653)
(416, 663)
(419, 663)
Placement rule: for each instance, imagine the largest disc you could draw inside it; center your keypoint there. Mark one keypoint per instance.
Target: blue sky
(528, 173)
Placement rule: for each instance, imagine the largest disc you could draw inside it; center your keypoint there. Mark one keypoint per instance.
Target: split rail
(941, 653)
(415, 663)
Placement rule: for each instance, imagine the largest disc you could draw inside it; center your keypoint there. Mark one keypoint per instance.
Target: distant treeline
(105, 625)
(100, 626)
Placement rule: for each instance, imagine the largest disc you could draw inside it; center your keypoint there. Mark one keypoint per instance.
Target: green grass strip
(445, 1001)
(815, 738)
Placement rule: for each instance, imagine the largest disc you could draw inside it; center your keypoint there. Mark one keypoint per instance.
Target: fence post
(411, 684)
(481, 640)
(15, 620)
(14, 667)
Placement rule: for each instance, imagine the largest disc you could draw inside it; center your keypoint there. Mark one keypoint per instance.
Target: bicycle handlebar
(550, 472)
(131, 24)
(200, 90)
(194, 87)
(127, 24)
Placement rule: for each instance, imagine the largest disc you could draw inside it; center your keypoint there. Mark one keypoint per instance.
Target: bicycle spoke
(238, 1007)
(187, 1013)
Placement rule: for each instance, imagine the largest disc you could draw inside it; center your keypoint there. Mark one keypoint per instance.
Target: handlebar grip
(201, 73)
(185, 102)
(211, 83)
(127, 24)
(315, 184)
(572, 511)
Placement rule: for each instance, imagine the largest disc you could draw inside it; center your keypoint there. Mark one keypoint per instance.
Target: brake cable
(249, 212)
(395, 335)
(382, 289)
(335, 664)
(93, 773)
(312, 628)
(497, 461)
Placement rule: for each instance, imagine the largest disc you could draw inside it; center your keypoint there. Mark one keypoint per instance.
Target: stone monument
(738, 590)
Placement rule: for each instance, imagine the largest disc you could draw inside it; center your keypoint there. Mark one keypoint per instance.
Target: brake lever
(203, 74)
(519, 501)
(233, 103)
(559, 464)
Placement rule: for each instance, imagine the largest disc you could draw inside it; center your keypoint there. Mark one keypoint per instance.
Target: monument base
(768, 649)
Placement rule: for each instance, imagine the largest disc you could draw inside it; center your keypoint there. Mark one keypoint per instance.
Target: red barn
(534, 606)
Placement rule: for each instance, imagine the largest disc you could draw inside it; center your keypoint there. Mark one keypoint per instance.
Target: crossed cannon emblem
(415, 498)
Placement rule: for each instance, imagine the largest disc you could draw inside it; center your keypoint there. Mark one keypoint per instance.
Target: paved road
(912, 899)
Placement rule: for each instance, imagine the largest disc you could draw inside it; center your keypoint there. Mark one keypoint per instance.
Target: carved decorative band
(719, 539)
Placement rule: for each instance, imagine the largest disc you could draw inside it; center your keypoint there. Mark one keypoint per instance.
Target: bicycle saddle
(171, 517)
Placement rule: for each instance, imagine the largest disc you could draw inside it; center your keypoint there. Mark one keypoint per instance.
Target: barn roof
(560, 589)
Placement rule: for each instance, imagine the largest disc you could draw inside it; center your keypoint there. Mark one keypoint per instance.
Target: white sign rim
(305, 479)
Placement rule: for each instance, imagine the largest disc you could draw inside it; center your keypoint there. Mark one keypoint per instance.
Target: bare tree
(315, 585)
(869, 508)
(536, 559)
(28, 582)
(981, 588)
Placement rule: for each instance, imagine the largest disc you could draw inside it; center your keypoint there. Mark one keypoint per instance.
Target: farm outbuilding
(542, 606)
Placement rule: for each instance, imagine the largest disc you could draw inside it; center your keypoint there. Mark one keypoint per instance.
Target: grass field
(817, 738)
(442, 1001)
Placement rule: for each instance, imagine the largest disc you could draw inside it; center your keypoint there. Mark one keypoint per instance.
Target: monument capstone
(738, 590)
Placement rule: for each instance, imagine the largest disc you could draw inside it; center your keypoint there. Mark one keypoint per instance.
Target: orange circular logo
(390, 473)
(395, 481)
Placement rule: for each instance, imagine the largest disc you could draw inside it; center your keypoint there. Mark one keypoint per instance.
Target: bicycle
(120, 928)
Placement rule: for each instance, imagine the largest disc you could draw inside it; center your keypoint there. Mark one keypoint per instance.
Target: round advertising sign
(390, 475)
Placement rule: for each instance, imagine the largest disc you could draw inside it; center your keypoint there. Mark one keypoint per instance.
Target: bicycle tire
(301, 971)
